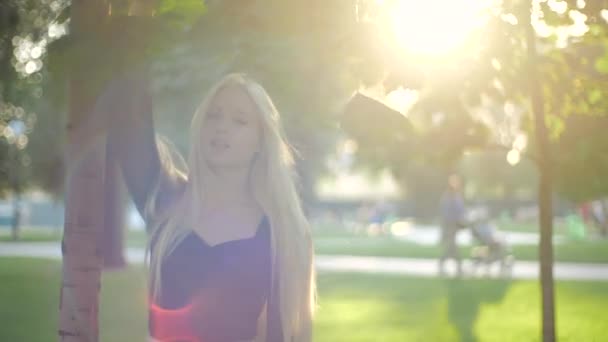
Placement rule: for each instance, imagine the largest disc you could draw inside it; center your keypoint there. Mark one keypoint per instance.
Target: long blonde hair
(272, 182)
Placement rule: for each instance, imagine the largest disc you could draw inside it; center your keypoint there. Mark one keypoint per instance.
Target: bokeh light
(435, 26)
(513, 157)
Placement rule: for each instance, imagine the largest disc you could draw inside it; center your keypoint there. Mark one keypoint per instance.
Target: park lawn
(138, 237)
(591, 251)
(351, 307)
(569, 251)
(31, 234)
(560, 226)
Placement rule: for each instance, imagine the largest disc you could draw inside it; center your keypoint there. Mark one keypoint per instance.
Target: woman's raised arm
(132, 140)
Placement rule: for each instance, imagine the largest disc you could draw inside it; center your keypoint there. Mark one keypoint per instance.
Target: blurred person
(599, 216)
(230, 251)
(585, 212)
(452, 216)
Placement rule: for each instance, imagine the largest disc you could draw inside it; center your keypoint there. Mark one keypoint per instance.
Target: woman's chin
(225, 164)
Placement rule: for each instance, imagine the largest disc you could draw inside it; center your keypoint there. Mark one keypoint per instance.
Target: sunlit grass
(351, 307)
(336, 242)
(570, 251)
(31, 234)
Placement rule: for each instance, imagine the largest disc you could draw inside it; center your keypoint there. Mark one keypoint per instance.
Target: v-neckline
(258, 229)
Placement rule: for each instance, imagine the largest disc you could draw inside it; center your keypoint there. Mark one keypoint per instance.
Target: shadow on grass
(464, 301)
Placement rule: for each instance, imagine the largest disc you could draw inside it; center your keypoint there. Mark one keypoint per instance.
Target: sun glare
(434, 27)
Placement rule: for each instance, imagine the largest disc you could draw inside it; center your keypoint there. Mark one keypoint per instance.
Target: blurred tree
(489, 70)
(23, 39)
(581, 158)
(559, 77)
(489, 176)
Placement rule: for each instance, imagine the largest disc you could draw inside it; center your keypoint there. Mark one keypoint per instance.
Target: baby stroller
(490, 248)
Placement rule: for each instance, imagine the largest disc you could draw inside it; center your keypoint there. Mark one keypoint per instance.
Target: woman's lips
(219, 144)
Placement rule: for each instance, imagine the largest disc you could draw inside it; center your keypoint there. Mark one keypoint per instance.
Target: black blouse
(208, 293)
(216, 291)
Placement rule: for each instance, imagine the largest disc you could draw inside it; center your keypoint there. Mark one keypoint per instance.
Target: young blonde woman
(231, 255)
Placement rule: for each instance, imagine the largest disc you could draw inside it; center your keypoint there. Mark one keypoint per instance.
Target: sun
(434, 27)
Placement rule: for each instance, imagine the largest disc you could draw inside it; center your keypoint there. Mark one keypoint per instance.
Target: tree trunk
(544, 191)
(96, 195)
(14, 179)
(17, 214)
(115, 202)
(84, 206)
(82, 257)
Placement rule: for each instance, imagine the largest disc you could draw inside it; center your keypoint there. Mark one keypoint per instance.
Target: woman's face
(232, 131)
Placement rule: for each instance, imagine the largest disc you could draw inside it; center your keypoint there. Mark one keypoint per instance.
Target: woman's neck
(227, 188)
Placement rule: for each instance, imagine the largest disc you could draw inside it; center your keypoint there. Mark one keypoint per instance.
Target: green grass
(30, 297)
(570, 251)
(340, 243)
(531, 226)
(51, 234)
(351, 307)
(30, 234)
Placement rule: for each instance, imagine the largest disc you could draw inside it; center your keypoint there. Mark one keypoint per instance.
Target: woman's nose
(222, 124)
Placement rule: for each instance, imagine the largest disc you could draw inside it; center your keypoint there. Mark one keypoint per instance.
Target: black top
(208, 293)
(217, 291)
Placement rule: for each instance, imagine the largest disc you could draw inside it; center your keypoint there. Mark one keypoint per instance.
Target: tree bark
(82, 257)
(14, 179)
(17, 214)
(95, 191)
(544, 190)
(85, 178)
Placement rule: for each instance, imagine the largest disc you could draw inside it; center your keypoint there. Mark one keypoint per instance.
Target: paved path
(346, 263)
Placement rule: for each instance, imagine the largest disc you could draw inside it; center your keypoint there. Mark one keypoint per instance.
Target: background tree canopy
(477, 97)
(312, 57)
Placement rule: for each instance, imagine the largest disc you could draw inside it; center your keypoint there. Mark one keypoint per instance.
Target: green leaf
(182, 13)
(595, 96)
(601, 64)
(119, 7)
(64, 15)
